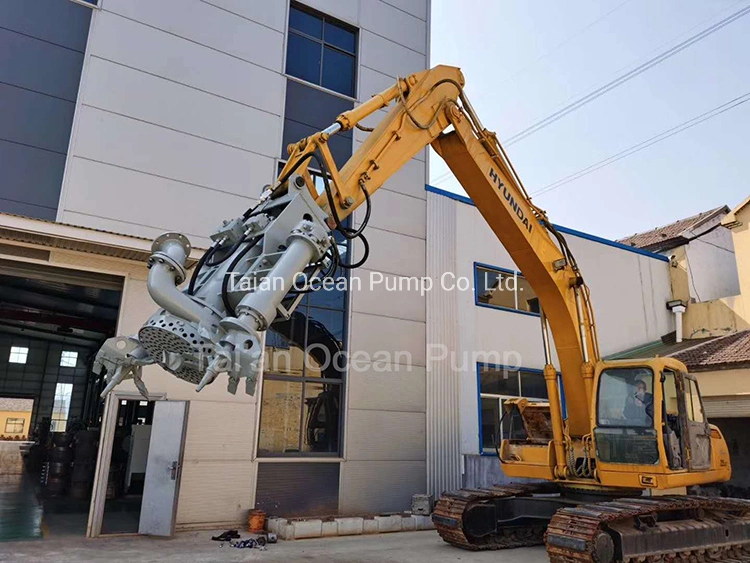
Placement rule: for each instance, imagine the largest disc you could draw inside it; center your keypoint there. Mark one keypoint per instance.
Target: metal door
(163, 468)
(698, 432)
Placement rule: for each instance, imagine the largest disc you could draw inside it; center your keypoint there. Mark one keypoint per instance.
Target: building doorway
(52, 322)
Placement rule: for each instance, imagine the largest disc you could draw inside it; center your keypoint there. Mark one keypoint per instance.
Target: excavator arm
(290, 229)
(424, 106)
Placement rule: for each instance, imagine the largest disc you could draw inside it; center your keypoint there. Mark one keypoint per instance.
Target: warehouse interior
(52, 322)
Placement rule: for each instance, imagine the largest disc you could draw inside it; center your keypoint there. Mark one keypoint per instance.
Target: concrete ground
(197, 547)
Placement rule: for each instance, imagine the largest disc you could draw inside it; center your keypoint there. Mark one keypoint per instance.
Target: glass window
(340, 37)
(14, 425)
(304, 58)
(306, 23)
(505, 289)
(68, 359)
(526, 298)
(496, 385)
(322, 412)
(61, 406)
(18, 355)
(669, 385)
(321, 50)
(338, 71)
(498, 381)
(693, 400)
(304, 375)
(626, 398)
(490, 422)
(637, 446)
(280, 414)
(533, 385)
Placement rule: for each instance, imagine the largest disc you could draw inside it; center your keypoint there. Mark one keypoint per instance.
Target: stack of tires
(84, 462)
(59, 458)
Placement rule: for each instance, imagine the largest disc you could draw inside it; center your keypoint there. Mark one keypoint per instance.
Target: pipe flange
(164, 258)
(161, 240)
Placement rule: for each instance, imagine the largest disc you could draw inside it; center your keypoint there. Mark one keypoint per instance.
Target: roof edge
(566, 230)
(75, 237)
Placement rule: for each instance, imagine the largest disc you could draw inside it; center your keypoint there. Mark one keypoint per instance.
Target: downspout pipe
(166, 272)
(678, 311)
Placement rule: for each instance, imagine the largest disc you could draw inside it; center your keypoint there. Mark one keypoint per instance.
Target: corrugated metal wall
(298, 489)
(443, 454)
(728, 406)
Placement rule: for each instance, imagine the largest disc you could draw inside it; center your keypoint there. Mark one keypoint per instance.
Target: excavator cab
(649, 422)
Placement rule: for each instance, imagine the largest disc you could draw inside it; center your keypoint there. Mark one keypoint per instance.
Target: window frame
(65, 414)
(499, 270)
(304, 379)
(325, 18)
(501, 398)
(67, 356)
(18, 352)
(14, 420)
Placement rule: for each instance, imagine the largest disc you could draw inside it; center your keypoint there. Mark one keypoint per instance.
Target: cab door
(698, 432)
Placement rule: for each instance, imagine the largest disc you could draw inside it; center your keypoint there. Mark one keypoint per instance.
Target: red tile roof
(669, 236)
(727, 352)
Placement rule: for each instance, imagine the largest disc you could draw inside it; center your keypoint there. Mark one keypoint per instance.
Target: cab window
(625, 413)
(626, 398)
(693, 402)
(671, 407)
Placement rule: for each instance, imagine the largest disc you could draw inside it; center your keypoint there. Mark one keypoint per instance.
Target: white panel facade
(391, 394)
(392, 442)
(178, 126)
(123, 142)
(397, 213)
(712, 267)
(629, 292)
(270, 14)
(179, 110)
(394, 24)
(388, 387)
(156, 52)
(208, 25)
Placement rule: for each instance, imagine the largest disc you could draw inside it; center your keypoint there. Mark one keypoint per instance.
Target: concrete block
(307, 529)
(350, 526)
(329, 529)
(423, 522)
(388, 523)
(422, 504)
(369, 526)
(286, 531)
(408, 524)
(276, 525)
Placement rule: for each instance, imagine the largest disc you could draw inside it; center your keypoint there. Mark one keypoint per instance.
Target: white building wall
(629, 293)
(385, 428)
(178, 118)
(712, 267)
(178, 126)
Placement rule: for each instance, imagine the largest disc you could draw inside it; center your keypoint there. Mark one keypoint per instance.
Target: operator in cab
(639, 407)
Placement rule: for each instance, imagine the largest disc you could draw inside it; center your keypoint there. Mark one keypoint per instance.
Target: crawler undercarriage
(675, 529)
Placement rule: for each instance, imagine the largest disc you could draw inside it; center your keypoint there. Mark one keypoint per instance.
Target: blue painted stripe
(566, 230)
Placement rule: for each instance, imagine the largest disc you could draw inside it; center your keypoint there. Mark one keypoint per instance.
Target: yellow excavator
(624, 427)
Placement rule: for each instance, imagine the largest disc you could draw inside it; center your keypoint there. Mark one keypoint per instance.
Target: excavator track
(670, 529)
(645, 529)
(452, 506)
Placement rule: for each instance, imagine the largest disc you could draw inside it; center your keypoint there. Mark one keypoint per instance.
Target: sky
(525, 59)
